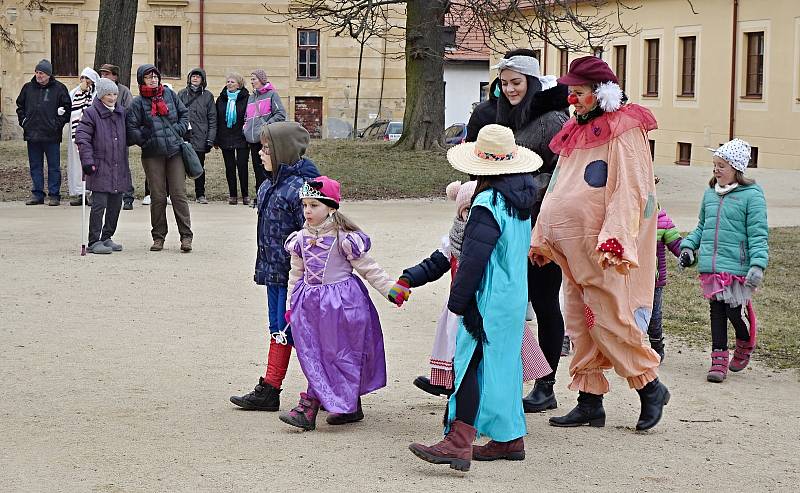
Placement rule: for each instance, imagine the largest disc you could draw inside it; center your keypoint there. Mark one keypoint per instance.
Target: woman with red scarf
(157, 121)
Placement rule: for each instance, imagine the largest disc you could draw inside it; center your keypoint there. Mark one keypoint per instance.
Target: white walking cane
(83, 216)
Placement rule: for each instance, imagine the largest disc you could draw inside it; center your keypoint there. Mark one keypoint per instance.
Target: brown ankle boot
(513, 450)
(455, 449)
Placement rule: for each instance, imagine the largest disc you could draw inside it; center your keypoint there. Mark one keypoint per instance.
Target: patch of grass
(777, 304)
(367, 170)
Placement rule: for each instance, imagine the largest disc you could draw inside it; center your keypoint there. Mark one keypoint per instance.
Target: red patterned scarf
(156, 95)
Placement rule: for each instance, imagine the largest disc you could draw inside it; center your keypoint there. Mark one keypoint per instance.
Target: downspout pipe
(734, 45)
(202, 32)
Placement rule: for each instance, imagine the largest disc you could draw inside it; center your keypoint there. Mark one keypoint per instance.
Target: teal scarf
(230, 111)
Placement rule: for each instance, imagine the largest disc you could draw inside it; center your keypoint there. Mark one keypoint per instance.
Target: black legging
(258, 166)
(236, 160)
(544, 284)
(721, 312)
(468, 395)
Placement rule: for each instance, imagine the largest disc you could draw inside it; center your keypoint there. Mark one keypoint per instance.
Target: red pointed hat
(588, 70)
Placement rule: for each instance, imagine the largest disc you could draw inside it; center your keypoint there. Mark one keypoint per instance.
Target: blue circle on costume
(596, 174)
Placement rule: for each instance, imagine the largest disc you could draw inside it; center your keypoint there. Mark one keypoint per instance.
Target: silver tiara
(309, 192)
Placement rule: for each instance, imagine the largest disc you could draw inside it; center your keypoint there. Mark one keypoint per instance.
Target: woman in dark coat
(231, 112)
(535, 108)
(103, 151)
(157, 121)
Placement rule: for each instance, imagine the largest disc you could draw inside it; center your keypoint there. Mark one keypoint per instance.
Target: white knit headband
(526, 65)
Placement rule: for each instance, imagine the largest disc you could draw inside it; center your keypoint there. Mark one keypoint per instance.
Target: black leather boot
(654, 397)
(264, 397)
(589, 411)
(541, 398)
(424, 383)
(658, 346)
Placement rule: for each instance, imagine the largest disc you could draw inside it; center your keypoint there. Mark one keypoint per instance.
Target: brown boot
(513, 450)
(455, 449)
(158, 245)
(186, 245)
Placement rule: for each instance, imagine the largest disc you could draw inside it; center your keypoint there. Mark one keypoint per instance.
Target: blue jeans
(655, 330)
(37, 151)
(276, 311)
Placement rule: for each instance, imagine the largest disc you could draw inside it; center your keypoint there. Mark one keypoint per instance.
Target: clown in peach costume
(598, 223)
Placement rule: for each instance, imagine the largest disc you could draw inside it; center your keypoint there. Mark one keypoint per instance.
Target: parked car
(375, 130)
(455, 134)
(382, 130)
(393, 131)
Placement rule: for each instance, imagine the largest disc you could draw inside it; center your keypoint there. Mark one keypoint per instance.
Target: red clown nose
(572, 99)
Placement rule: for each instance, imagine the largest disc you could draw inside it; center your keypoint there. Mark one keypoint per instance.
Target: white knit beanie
(105, 86)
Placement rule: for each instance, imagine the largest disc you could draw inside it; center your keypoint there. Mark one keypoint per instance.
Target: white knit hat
(736, 153)
(105, 86)
(494, 153)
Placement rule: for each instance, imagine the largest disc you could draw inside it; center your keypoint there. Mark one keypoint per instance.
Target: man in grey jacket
(202, 123)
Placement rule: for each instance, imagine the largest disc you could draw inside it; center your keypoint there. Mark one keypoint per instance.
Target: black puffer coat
(231, 138)
(37, 110)
(202, 113)
(483, 114)
(152, 133)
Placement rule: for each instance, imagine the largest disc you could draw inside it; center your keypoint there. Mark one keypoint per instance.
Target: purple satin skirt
(338, 339)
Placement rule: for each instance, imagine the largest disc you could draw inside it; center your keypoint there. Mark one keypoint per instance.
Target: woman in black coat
(535, 108)
(231, 109)
(157, 121)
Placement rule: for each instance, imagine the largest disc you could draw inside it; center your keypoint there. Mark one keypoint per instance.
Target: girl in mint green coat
(731, 237)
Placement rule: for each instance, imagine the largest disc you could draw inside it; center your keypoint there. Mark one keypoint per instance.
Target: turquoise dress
(502, 299)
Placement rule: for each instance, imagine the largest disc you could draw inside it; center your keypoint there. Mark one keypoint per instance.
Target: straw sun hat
(494, 153)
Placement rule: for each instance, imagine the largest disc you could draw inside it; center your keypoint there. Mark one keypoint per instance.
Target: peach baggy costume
(603, 189)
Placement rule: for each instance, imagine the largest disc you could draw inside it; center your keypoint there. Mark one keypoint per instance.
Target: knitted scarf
(158, 107)
(457, 237)
(230, 110)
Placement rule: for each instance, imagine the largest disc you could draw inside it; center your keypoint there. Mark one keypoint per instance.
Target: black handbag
(190, 160)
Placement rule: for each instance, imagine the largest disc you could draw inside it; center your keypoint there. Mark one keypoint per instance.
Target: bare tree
(116, 27)
(561, 23)
(7, 38)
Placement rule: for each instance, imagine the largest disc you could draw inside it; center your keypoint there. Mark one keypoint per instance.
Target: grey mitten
(687, 258)
(755, 276)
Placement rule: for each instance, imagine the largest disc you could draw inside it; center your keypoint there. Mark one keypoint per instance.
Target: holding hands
(687, 258)
(400, 291)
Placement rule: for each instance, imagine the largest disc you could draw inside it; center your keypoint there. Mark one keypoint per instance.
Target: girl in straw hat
(486, 293)
(598, 223)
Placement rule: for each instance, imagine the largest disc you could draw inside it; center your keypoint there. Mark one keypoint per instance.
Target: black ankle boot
(588, 411)
(658, 346)
(425, 384)
(654, 397)
(541, 398)
(264, 397)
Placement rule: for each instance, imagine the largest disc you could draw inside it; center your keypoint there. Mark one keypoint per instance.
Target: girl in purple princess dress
(335, 326)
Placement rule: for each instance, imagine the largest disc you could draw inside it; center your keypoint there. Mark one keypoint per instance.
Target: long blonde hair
(738, 176)
(343, 223)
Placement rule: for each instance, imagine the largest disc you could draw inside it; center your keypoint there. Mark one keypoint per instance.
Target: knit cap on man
(104, 87)
(45, 66)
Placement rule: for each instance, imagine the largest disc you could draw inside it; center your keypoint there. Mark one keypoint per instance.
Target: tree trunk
(358, 85)
(423, 122)
(116, 26)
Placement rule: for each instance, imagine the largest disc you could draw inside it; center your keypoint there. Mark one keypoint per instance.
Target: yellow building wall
(238, 37)
(772, 123)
